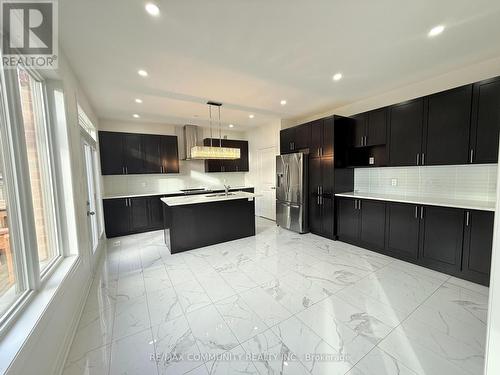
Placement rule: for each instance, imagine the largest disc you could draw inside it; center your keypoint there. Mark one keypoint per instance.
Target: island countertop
(207, 198)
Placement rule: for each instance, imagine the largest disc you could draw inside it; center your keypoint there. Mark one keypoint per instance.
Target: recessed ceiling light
(135, 115)
(436, 30)
(142, 73)
(138, 100)
(283, 102)
(152, 9)
(231, 125)
(337, 76)
(251, 116)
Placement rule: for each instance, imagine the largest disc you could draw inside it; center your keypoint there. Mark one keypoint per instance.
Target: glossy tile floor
(276, 303)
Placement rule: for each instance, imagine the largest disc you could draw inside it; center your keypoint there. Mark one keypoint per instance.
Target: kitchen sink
(219, 195)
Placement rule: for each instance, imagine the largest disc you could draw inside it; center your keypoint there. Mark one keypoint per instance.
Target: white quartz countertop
(171, 192)
(207, 198)
(426, 201)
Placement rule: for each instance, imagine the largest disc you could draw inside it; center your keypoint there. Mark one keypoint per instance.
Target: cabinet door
(242, 164)
(328, 217)
(133, 153)
(328, 137)
(152, 157)
(316, 139)
(485, 121)
(155, 208)
(376, 130)
(359, 132)
(139, 214)
(478, 243)
(302, 138)
(441, 238)
(111, 153)
(347, 220)
(448, 127)
(405, 133)
(372, 224)
(116, 217)
(212, 165)
(287, 137)
(314, 199)
(169, 154)
(402, 230)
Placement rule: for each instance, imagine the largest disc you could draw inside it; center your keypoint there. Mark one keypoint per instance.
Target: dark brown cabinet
(321, 196)
(370, 128)
(441, 238)
(130, 153)
(238, 165)
(287, 140)
(448, 127)
(123, 216)
(406, 121)
(372, 224)
(485, 125)
(478, 244)
(295, 139)
(402, 230)
(322, 138)
(348, 220)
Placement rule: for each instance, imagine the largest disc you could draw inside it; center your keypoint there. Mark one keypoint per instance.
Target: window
(39, 165)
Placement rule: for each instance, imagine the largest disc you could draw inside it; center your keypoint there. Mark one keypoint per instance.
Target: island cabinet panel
(406, 121)
(372, 224)
(441, 238)
(478, 244)
(130, 153)
(402, 230)
(348, 220)
(448, 127)
(485, 121)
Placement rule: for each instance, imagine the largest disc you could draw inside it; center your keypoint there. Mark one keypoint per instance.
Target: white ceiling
(250, 54)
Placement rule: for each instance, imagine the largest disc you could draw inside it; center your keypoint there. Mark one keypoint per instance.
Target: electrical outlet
(371, 161)
(394, 182)
(117, 243)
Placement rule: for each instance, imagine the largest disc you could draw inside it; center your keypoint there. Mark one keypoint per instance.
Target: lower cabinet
(124, 216)
(450, 240)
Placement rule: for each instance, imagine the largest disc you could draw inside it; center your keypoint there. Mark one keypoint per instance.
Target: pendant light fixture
(215, 152)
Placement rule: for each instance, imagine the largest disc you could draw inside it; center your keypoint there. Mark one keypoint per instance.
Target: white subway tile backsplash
(474, 182)
(192, 175)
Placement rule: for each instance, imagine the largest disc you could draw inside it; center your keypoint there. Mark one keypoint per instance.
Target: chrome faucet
(226, 188)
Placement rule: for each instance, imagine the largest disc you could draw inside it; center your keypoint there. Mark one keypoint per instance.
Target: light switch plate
(371, 160)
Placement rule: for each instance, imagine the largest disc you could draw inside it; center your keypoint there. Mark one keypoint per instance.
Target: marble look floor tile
(378, 362)
(210, 331)
(131, 317)
(256, 273)
(192, 296)
(133, 355)
(240, 318)
(175, 347)
(156, 278)
(237, 280)
(215, 286)
(180, 274)
(475, 288)
(130, 286)
(271, 356)
(164, 305)
(150, 256)
(95, 362)
(201, 370)
(232, 362)
(265, 306)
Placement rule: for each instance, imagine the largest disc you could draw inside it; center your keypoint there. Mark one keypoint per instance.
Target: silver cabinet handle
(467, 218)
(421, 212)
(359, 204)
(423, 158)
(418, 159)
(355, 204)
(416, 212)
(471, 155)
(90, 213)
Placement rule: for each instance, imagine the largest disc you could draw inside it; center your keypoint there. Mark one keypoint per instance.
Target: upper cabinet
(130, 153)
(370, 128)
(485, 125)
(406, 121)
(322, 139)
(295, 139)
(238, 165)
(448, 127)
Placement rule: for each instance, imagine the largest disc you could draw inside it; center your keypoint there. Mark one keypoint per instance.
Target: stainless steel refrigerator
(291, 192)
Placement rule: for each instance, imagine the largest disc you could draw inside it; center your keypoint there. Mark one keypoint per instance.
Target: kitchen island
(192, 222)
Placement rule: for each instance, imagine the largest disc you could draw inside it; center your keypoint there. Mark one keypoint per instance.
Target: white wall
(473, 73)
(45, 350)
(258, 138)
(191, 173)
